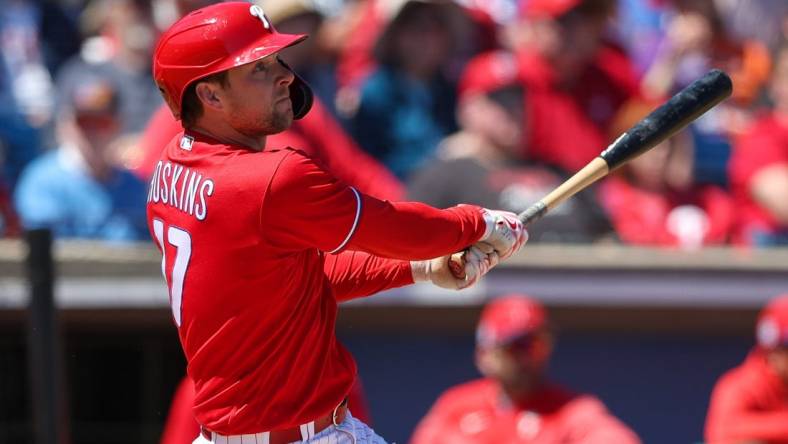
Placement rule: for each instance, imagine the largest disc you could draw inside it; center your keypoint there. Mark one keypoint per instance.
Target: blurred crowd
(491, 102)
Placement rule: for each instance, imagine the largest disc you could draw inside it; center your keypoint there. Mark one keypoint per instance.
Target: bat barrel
(684, 107)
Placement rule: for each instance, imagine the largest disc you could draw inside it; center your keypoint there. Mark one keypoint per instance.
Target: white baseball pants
(349, 431)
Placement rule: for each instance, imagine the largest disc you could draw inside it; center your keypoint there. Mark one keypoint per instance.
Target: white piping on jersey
(355, 223)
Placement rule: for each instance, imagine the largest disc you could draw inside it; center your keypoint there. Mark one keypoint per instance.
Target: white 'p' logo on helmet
(257, 11)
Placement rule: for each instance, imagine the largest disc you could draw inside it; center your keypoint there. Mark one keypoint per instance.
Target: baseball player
(259, 245)
(515, 403)
(749, 403)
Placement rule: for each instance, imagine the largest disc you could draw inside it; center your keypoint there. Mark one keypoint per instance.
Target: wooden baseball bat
(678, 112)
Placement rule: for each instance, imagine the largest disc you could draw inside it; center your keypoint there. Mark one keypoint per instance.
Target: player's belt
(300, 433)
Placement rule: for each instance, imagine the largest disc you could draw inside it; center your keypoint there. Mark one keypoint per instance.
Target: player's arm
(733, 416)
(355, 274)
(305, 207)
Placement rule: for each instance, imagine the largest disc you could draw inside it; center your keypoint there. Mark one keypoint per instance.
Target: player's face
(257, 99)
(519, 363)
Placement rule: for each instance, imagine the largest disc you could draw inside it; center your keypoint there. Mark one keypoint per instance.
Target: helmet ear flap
(301, 96)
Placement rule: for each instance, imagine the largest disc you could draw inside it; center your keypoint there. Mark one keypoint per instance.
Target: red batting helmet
(508, 318)
(772, 328)
(217, 38)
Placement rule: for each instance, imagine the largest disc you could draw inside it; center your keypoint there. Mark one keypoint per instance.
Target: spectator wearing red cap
(749, 404)
(483, 162)
(577, 80)
(515, 402)
(759, 168)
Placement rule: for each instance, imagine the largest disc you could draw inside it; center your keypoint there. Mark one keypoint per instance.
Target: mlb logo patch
(187, 142)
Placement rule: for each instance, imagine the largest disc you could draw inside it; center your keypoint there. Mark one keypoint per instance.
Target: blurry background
(653, 277)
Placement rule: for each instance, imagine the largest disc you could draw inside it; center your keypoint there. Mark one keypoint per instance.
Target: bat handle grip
(531, 214)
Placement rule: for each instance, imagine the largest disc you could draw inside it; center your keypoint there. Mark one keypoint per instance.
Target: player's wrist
(420, 271)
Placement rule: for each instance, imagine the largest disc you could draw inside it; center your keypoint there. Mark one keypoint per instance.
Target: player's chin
(280, 121)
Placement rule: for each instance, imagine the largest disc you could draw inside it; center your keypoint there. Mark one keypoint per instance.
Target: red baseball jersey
(749, 404)
(258, 248)
(478, 413)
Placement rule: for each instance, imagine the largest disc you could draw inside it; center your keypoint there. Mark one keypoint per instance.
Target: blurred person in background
(654, 199)
(76, 190)
(749, 404)
(483, 163)
(759, 168)
(516, 402)
(695, 40)
(35, 38)
(318, 133)
(119, 45)
(407, 104)
(365, 21)
(576, 78)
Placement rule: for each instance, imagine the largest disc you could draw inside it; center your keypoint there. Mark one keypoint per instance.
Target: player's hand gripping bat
(686, 106)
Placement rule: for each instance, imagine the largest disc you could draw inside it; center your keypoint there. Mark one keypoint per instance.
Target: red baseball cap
(547, 8)
(508, 318)
(488, 72)
(772, 328)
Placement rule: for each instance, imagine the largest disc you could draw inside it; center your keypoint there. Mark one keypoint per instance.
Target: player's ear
(209, 94)
(485, 362)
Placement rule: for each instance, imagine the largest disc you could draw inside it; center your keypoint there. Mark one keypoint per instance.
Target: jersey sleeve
(306, 207)
(733, 415)
(591, 423)
(355, 274)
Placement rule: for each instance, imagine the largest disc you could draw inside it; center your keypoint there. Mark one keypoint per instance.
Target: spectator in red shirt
(515, 402)
(749, 404)
(576, 80)
(653, 200)
(759, 168)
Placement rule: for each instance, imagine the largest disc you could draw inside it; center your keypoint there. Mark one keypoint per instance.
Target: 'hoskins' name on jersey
(182, 188)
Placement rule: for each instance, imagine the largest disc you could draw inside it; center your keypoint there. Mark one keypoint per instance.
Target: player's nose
(286, 76)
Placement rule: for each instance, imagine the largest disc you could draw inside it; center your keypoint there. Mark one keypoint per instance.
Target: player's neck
(228, 135)
(521, 391)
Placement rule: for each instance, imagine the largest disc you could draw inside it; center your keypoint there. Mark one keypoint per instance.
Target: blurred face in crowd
(306, 52)
(581, 37)
(649, 170)
(92, 126)
(255, 100)
(778, 360)
(132, 28)
(497, 117)
(779, 85)
(668, 166)
(520, 364)
(422, 39)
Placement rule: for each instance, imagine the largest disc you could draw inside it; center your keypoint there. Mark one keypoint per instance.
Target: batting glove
(505, 233)
(437, 271)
